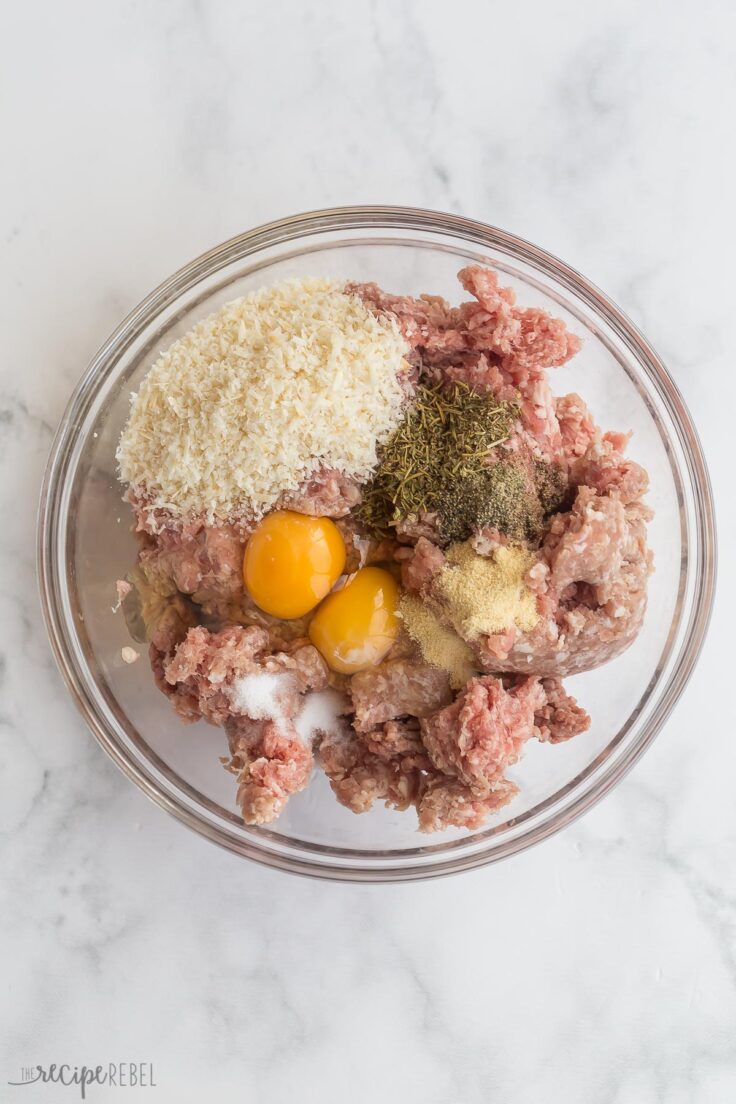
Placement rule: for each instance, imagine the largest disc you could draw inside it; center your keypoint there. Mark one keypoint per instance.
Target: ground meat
(271, 760)
(360, 550)
(497, 646)
(201, 560)
(307, 666)
(420, 564)
(488, 343)
(427, 322)
(444, 802)
(424, 527)
(406, 742)
(361, 774)
(560, 717)
(539, 419)
(494, 316)
(587, 544)
(591, 572)
(398, 738)
(590, 581)
(217, 613)
(204, 666)
(357, 547)
(403, 648)
(329, 493)
(122, 589)
(217, 657)
(184, 697)
(604, 467)
(541, 489)
(480, 372)
(382, 551)
(577, 428)
(271, 764)
(590, 576)
(153, 520)
(487, 540)
(191, 574)
(397, 688)
(450, 766)
(359, 777)
(155, 610)
(543, 342)
(482, 733)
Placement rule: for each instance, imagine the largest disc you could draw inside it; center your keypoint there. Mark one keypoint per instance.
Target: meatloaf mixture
(373, 541)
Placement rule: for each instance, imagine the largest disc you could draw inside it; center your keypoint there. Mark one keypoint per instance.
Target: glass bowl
(86, 543)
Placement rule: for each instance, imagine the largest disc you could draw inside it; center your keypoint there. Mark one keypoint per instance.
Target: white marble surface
(599, 968)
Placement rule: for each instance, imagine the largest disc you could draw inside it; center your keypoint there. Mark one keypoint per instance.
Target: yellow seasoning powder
(486, 594)
(440, 645)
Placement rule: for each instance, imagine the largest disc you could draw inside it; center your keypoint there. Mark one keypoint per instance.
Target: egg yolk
(291, 562)
(355, 627)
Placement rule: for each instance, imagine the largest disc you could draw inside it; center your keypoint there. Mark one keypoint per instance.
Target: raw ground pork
(405, 739)
(590, 575)
(271, 760)
(451, 765)
(592, 568)
(488, 343)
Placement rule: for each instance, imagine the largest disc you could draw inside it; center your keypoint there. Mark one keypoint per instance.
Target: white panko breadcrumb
(258, 396)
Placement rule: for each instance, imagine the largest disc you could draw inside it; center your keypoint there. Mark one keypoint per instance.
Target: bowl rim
(470, 231)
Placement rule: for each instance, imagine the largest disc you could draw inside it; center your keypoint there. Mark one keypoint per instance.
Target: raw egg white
(291, 562)
(355, 627)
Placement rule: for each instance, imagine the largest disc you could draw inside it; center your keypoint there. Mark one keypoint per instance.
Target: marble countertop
(598, 968)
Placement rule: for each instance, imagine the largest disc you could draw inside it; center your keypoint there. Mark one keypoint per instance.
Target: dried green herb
(443, 459)
(444, 440)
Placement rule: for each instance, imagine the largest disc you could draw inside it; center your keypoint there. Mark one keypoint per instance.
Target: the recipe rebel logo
(117, 1075)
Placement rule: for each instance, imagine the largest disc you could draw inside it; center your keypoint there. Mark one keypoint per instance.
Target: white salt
(321, 712)
(261, 696)
(265, 696)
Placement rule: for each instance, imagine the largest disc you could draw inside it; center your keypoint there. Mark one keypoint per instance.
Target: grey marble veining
(597, 969)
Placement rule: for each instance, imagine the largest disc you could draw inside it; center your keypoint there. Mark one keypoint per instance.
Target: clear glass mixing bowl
(85, 544)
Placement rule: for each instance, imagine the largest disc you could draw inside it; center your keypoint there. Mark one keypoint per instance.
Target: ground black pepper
(495, 496)
(551, 485)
